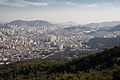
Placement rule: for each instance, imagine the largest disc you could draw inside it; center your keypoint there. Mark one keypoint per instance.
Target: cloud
(21, 3)
(98, 5)
(90, 5)
(34, 3)
(71, 4)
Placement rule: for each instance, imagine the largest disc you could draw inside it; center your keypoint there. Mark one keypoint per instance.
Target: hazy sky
(79, 11)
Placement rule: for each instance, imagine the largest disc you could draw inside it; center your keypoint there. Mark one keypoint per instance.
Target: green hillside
(102, 43)
(100, 66)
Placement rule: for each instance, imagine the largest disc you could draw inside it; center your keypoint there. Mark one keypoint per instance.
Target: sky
(59, 11)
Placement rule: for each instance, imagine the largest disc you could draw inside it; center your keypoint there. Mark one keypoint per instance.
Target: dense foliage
(100, 66)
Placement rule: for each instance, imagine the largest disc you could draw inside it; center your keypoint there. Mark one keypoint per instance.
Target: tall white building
(53, 38)
(61, 47)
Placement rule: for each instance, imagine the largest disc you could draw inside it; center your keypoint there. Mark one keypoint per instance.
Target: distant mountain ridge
(35, 23)
(40, 23)
(95, 28)
(105, 30)
(70, 23)
(103, 24)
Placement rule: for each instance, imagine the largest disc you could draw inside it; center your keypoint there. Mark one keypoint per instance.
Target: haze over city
(79, 11)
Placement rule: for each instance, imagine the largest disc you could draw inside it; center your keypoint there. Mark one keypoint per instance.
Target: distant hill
(115, 28)
(4, 26)
(70, 23)
(78, 28)
(103, 24)
(100, 66)
(105, 30)
(102, 43)
(36, 23)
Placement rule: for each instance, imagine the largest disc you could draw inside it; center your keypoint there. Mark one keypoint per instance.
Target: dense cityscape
(59, 39)
(21, 40)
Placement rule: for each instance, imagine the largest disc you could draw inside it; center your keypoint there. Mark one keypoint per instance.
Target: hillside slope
(100, 66)
(102, 43)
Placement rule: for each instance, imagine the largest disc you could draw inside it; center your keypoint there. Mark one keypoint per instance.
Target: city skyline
(79, 11)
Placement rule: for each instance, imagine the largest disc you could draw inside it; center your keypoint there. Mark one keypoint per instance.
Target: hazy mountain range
(103, 24)
(102, 27)
(36, 23)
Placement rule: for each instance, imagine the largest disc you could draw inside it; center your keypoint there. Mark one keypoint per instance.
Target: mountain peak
(35, 23)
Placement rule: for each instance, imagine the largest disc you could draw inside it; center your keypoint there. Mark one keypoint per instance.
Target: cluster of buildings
(19, 43)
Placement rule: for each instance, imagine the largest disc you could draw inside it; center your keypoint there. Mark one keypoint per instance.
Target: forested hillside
(102, 43)
(100, 66)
